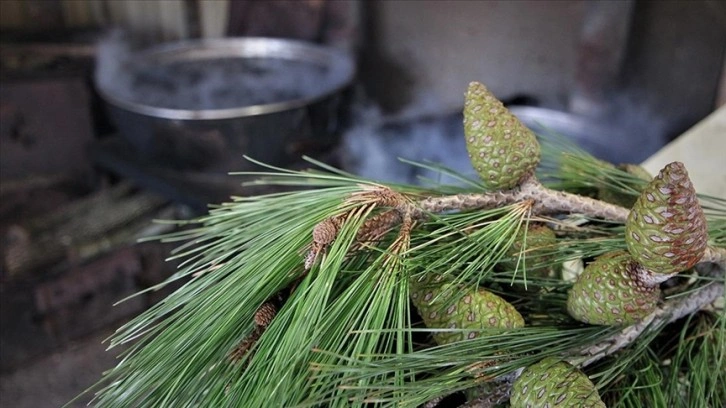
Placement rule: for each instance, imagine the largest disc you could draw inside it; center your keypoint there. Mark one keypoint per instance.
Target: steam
(112, 53)
(214, 76)
(375, 144)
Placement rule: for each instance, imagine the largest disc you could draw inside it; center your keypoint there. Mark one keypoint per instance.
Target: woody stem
(546, 201)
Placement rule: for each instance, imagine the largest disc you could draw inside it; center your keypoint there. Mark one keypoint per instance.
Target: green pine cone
(539, 244)
(501, 149)
(476, 309)
(609, 292)
(554, 383)
(666, 229)
(611, 195)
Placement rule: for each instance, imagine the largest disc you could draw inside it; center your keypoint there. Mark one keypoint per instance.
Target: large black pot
(206, 136)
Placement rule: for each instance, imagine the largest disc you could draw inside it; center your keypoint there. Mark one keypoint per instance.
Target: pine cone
(501, 149)
(538, 246)
(476, 309)
(265, 313)
(666, 228)
(609, 292)
(611, 195)
(554, 383)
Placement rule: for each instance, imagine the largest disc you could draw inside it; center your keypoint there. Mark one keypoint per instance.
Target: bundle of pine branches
(348, 292)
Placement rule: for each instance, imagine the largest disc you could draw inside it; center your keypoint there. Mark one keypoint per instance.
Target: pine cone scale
(666, 229)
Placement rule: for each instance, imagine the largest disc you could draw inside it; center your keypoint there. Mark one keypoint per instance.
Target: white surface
(703, 151)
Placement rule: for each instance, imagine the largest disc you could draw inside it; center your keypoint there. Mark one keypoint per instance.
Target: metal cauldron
(213, 136)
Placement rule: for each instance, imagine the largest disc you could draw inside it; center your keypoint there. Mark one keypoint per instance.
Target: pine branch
(257, 325)
(542, 201)
(545, 201)
(669, 312)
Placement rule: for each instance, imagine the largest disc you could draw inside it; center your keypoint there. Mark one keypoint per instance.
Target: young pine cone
(502, 150)
(476, 309)
(554, 383)
(609, 292)
(666, 229)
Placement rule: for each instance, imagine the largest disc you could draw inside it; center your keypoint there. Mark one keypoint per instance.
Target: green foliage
(346, 336)
(684, 366)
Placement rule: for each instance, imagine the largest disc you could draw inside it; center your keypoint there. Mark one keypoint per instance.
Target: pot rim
(254, 47)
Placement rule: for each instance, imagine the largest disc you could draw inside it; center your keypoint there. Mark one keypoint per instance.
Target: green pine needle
(346, 336)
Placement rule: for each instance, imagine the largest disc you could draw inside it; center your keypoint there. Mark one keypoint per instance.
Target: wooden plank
(77, 14)
(11, 14)
(214, 16)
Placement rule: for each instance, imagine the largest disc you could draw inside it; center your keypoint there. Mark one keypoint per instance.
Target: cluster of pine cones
(666, 234)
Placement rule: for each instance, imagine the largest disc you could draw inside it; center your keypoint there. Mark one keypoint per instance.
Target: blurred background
(117, 112)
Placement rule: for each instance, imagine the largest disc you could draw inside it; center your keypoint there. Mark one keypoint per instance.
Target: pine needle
(345, 336)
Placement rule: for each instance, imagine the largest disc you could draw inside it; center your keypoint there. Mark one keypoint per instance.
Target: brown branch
(111, 221)
(716, 256)
(492, 399)
(545, 201)
(549, 201)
